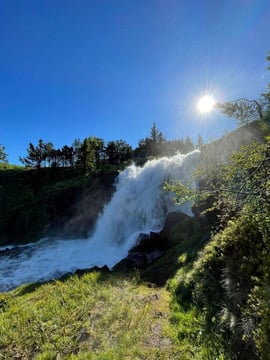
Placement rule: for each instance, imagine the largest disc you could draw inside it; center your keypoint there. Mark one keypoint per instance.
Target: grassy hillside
(118, 315)
(96, 316)
(227, 284)
(102, 315)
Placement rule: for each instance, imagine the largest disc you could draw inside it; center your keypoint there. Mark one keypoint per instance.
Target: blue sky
(110, 68)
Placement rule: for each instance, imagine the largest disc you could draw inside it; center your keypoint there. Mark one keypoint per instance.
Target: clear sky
(110, 68)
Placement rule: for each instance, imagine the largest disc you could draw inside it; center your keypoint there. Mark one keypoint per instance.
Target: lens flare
(206, 104)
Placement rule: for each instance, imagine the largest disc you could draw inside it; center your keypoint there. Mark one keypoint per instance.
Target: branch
(243, 109)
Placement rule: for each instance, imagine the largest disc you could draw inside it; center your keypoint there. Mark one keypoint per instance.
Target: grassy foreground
(95, 316)
(99, 315)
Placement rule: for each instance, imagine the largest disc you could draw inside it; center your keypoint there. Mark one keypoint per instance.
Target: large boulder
(178, 227)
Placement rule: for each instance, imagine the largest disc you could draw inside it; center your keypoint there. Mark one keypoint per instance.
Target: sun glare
(206, 104)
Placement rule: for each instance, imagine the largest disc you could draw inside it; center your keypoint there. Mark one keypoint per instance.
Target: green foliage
(244, 110)
(156, 145)
(244, 180)
(36, 154)
(229, 283)
(3, 155)
(225, 189)
(151, 145)
(181, 193)
(226, 277)
(118, 152)
(50, 201)
(88, 156)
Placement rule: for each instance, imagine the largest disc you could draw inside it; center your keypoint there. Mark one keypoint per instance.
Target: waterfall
(139, 205)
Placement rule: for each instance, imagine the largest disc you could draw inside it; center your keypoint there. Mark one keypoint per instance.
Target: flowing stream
(138, 205)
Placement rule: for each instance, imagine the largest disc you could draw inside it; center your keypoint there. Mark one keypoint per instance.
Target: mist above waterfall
(138, 205)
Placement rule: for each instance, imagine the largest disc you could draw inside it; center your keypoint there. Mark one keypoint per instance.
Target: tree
(247, 110)
(67, 153)
(76, 146)
(200, 141)
(152, 145)
(188, 145)
(157, 140)
(56, 158)
(244, 110)
(97, 145)
(3, 155)
(144, 148)
(36, 154)
(118, 152)
(124, 151)
(154, 133)
(111, 153)
(86, 155)
(48, 148)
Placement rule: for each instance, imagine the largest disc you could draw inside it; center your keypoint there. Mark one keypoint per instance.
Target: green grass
(115, 315)
(96, 316)
(106, 315)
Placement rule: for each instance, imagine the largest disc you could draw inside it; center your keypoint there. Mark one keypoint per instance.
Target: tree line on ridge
(93, 153)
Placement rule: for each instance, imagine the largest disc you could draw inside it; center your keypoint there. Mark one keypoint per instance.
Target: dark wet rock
(152, 246)
(14, 251)
(148, 248)
(173, 220)
(148, 243)
(103, 269)
(5, 251)
(155, 255)
(81, 272)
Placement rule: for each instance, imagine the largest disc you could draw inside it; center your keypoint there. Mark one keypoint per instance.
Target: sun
(206, 104)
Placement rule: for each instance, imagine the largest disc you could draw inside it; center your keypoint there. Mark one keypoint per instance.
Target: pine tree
(3, 155)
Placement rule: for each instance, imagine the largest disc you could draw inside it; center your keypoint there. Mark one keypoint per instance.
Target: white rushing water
(138, 205)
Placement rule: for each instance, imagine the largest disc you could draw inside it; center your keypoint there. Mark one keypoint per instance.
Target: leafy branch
(226, 189)
(243, 109)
